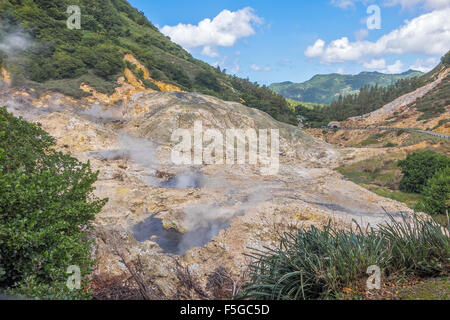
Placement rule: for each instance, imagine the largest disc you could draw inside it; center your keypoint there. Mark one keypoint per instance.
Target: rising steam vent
(174, 242)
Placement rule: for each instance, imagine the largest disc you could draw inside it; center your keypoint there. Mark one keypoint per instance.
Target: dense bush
(46, 206)
(418, 167)
(436, 194)
(318, 264)
(314, 116)
(446, 59)
(208, 80)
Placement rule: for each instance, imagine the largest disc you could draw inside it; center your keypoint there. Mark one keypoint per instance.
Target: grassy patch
(390, 145)
(416, 137)
(379, 171)
(430, 289)
(410, 199)
(401, 286)
(441, 122)
(382, 176)
(372, 140)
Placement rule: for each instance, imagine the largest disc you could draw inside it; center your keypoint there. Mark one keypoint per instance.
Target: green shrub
(150, 85)
(46, 207)
(318, 264)
(446, 59)
(436, 194)
(418, 167)
(207, 80)
(108, 61)
(140, 75)
(370, 141)
(157, 75)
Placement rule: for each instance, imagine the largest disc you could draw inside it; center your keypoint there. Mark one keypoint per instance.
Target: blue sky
(287, 40)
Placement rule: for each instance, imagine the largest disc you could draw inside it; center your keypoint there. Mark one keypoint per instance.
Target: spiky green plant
(318, 264)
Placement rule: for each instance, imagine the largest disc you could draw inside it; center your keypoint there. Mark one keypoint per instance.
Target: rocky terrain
(200, 217)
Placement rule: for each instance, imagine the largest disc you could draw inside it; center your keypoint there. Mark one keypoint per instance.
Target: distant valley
(324, 89)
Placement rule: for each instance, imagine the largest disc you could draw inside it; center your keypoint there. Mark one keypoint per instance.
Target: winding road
(431, 133)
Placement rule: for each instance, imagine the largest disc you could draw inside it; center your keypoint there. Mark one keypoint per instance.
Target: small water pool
(172, 241)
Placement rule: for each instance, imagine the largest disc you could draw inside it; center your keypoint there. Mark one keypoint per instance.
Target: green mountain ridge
(60, 59)
(325, 88)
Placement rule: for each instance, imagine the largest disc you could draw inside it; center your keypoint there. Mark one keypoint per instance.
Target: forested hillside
(371, 98)
(57, 58)
(323, 89)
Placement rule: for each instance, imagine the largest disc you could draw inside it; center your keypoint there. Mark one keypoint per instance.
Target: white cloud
(375, 64)
(339, 50)
(361, 34)
(258, 68)
(222, 31)
(344, 4)
(316, 50)
(424, 65)
(428, 4)
(394, 68)
(381, 66)
(210, 52)
(428, 34)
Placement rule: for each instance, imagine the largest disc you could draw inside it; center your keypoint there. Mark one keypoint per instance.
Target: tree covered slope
(324, 89)
(371, 98)
(55, 57)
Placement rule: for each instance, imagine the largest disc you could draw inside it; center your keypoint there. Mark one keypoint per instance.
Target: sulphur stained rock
(236, 206)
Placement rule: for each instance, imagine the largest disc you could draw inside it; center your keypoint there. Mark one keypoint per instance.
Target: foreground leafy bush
(318, 264)
(46, 206)
(418, 167)
(436, 194)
